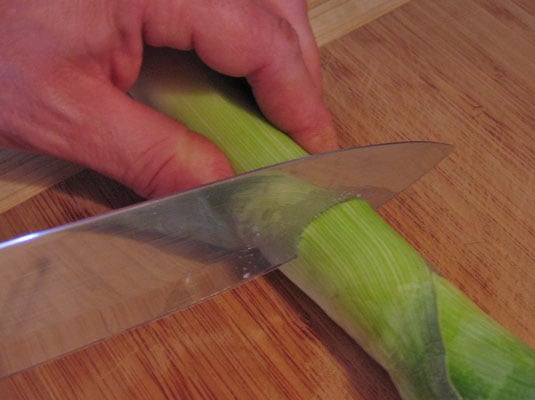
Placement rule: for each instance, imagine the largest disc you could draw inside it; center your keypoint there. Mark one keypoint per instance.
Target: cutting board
(457, 71)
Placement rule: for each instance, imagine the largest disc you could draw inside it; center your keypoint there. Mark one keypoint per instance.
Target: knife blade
(71, 286)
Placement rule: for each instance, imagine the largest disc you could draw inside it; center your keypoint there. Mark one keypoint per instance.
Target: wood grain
(23, 176)
(458, 71)
(332, 19)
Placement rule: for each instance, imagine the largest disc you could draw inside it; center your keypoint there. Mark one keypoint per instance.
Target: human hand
(66, 67)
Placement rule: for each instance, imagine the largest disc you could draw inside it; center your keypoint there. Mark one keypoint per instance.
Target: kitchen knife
(68, 287)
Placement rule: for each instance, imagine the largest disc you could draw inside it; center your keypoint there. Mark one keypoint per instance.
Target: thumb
(100, 127)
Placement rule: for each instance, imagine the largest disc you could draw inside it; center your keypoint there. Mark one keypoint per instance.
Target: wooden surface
(458, 71)
(332, 19)
(23, 176)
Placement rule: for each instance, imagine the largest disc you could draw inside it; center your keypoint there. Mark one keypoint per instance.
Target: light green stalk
(432, 340)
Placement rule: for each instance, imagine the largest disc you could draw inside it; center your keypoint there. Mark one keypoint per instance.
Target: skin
(66, 67)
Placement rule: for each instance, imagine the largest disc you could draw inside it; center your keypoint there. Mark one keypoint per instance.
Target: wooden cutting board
(457, 71)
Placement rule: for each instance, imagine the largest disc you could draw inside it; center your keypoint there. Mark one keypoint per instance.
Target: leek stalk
(434, 342)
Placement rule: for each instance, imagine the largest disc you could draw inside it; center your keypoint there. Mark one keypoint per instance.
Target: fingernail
(325, 139)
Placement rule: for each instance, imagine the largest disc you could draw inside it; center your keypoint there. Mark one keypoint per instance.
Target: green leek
(434, 342)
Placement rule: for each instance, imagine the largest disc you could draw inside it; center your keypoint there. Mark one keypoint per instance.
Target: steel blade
(71, 286)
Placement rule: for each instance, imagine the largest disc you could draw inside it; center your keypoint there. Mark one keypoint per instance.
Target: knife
(71, 286)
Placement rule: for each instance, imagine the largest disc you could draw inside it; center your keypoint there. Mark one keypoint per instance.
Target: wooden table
(457, 71)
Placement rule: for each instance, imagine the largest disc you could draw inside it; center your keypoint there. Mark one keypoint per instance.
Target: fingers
(98, 126)
(62, 99)
(246, 38)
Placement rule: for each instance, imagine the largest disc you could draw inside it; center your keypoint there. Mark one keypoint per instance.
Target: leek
(434, 342)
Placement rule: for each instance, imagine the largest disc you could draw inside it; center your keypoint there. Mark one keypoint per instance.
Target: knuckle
(272, 27)
(286, 31)
(146, 174)
(175, 164)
